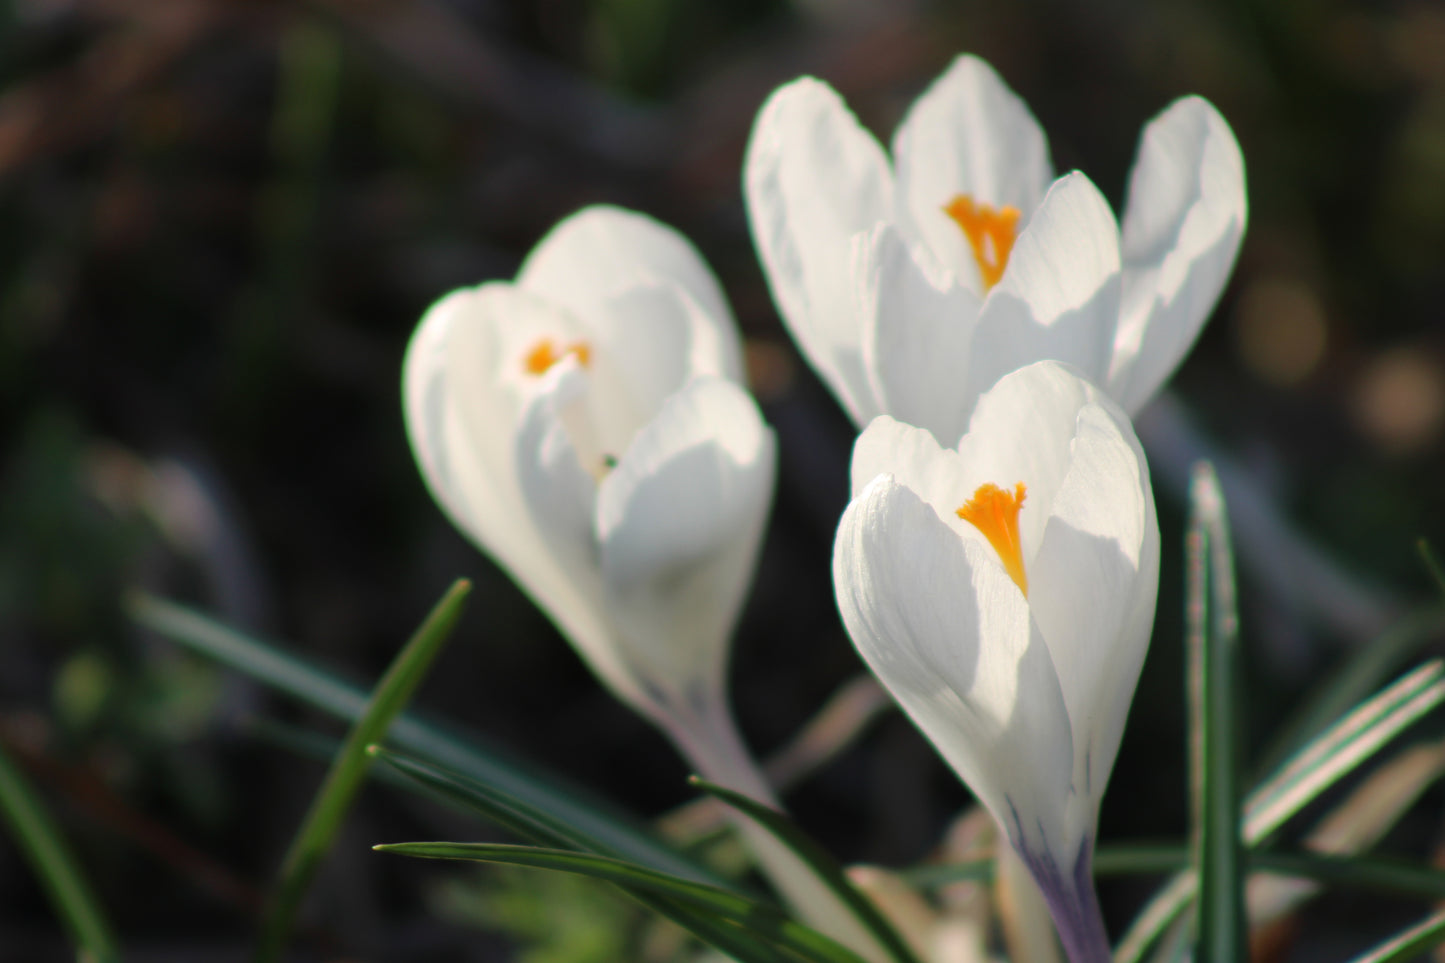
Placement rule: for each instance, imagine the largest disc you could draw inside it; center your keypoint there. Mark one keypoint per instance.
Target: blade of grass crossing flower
(1213, 636)
(754, 914)
(348, 770)
(820, 861)
(567, 802)
(38, 838)
(1409, 945)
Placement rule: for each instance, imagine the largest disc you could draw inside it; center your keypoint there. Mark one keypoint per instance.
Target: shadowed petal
(1059, 297)
(917, 328)
(679, 522)
(1093, 585)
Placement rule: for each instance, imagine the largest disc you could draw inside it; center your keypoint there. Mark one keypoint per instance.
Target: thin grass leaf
(467, 754)
(1366, 671)
(1341, 749)
(1356, 737)
(1352, 826)
(539, 826)
(821, 862)
(1212, 635)
(1356, 872)
(1409, 945)
(38, 838)
(753, 914)
(1432, 564)
(348, 770)
(512, 814)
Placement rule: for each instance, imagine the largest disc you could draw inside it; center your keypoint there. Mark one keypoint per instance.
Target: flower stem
(1073, 904)
(709, 739)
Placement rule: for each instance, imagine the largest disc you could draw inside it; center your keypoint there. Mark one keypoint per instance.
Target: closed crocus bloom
(585, 426)
(1003, 592)
(912, 286)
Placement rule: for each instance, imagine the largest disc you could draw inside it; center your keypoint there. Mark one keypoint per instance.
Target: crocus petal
(1183, 224)
(917, 327)
(1059, 296)
(949, 635)
(602, 250)
(968, 134)
(813, 178)
(1094, 582)
(679, 522)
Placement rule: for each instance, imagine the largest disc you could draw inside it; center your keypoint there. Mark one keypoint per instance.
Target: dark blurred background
(220, 221)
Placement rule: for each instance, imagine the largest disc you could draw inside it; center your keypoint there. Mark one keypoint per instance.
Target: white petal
(1023, 431)
(813, 178)
(950, 637)
(1093, 584)
(1182, 229)
(968, 134)
(462, 420)
(914, 458)
(602, 250)
(679, 521)
(1059, 296)
(918, 324)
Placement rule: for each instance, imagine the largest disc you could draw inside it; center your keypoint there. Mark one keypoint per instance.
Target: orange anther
(990, 233)
(995, 512)
(545, 354)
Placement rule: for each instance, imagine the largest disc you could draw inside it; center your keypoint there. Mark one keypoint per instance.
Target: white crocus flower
(585, 426)
(1004, 594)
(912, 287)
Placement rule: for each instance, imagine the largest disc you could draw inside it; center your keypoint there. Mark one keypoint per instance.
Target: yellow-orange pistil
(990, 233)
(545, 354)
(995, 512)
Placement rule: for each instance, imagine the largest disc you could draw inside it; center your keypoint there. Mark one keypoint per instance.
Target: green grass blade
(821, 862)
(566, 801)
(509, 812)
(1352, 740)
(1356, 872)
(1409, 945)
(348, 770)
(1156, 916)
(755, 915)
(38, 838)
(1212, 633)
(1365, 672)
(1431, 563)
(1342, 748)
(541, 827)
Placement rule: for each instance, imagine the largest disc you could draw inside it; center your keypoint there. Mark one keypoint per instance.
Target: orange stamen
(995, 512)
(545, 354)
(990, 233)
